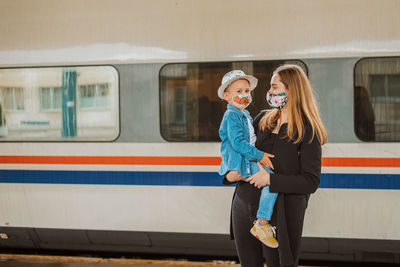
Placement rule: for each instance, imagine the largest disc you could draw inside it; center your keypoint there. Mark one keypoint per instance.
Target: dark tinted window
(377, 99)
(190, 107)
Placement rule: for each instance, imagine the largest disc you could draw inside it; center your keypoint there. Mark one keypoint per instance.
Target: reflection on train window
(189, 105)
(377, 99)
(59, 104)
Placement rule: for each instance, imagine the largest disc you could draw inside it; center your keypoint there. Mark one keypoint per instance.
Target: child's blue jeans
(267, 199)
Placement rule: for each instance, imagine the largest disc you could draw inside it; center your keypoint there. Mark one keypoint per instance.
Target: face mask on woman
(241, 101)
(277, 100)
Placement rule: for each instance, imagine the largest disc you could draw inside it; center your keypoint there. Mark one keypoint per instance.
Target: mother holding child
(275, 162)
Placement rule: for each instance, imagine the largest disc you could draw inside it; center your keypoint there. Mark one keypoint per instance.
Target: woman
(293, 133)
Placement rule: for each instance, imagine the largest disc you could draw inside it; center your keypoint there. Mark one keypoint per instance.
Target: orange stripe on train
(111, 160)
(190, 161)
(361, 162)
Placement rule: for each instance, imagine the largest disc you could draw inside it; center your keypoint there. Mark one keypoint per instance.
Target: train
(109, 122)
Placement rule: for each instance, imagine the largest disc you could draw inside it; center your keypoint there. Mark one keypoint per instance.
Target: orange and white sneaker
(265, 234)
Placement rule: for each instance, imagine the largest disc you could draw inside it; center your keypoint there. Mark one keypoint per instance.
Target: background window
(94, 95)
(13, 98)
(50, 98)
(377, 99)
(190, 107)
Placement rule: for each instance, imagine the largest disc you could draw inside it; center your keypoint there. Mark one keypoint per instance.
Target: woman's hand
(260, 179)
(266, 161)
(233, 176)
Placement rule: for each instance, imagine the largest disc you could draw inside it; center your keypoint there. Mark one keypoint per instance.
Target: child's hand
(266, 161)
(234, 176)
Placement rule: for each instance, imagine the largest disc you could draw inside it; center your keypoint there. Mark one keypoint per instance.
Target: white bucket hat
(232, 76)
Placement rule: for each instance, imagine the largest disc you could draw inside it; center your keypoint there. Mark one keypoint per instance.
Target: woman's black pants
(250, 250)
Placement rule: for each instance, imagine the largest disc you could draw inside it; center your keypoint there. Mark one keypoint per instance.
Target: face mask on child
(241, 101)
(277, 101)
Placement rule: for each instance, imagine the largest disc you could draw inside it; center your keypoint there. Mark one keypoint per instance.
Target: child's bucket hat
(235, 75)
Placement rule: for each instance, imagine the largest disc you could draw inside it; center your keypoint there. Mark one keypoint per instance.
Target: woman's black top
(297, 172)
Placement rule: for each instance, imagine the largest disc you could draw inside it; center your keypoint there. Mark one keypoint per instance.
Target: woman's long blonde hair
(301, 106)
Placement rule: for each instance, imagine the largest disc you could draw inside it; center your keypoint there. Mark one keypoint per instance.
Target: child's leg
(262, 222)
(266, 206)
(262, 230)
(267, 199)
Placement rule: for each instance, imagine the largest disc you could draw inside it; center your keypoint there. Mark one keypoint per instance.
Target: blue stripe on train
(329, 180)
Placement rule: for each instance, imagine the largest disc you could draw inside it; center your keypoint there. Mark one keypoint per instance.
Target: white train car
(109, 119)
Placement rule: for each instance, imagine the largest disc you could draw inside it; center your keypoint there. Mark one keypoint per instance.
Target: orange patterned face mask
(241, 101)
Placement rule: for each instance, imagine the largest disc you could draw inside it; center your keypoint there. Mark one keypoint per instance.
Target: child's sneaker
(265, 233)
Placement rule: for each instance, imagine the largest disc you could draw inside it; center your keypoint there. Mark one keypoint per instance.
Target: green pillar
(69, 128)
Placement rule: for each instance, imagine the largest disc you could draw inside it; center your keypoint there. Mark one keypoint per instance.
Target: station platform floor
(14, 260)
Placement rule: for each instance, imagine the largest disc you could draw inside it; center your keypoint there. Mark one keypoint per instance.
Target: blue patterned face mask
(277, 100)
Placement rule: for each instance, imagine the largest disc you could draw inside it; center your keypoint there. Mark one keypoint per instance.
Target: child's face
(237, 88)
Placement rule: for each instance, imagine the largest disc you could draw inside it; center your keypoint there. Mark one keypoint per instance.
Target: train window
(190, 109)
(377, 99)
(59, 104)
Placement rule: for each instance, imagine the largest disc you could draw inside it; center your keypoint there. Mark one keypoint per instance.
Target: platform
(13, 260)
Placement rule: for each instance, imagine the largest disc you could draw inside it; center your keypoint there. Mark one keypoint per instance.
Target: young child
(237, 147)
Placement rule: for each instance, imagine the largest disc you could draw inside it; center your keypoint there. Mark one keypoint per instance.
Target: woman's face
(277, 87)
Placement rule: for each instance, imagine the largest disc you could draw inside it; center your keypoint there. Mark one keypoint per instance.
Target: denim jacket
(237, 153)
